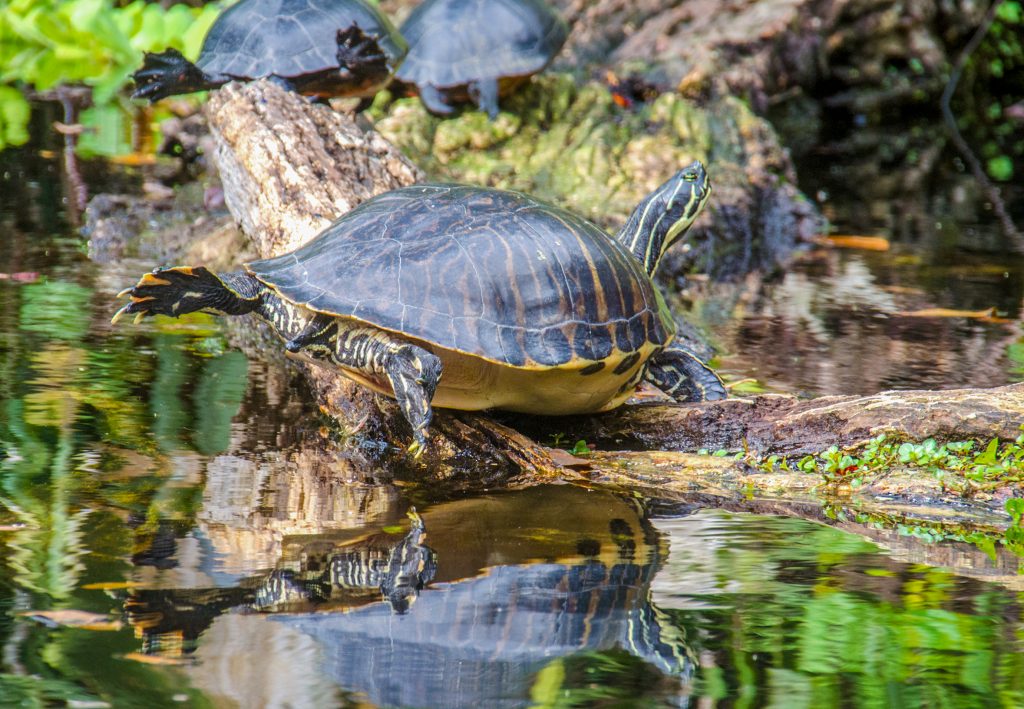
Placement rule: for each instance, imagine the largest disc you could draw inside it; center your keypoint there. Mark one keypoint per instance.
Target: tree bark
(289, 167)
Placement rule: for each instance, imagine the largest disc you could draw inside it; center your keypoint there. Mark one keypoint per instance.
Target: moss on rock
(574, 145)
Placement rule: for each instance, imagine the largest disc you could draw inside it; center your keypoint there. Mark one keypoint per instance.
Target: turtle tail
(184, 289)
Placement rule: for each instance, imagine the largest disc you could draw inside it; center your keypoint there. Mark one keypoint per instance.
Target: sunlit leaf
(1000, 168)
(14, 115)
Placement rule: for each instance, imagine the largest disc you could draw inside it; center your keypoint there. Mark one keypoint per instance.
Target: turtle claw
(165, 291)
(417, 447)
(120, 313)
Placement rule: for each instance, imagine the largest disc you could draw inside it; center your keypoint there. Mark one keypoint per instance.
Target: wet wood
(288, 167)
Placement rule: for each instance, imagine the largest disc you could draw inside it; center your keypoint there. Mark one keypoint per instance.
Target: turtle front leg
(169, 73)
(682, 375)
(414, 374)
(184, 289)
(360, 57)
(411, 371)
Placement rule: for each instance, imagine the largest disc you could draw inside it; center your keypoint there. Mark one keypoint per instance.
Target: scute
(288, 38)
(453, 42)
(495, 274)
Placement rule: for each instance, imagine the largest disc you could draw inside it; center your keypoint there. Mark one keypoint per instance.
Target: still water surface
(186, 496)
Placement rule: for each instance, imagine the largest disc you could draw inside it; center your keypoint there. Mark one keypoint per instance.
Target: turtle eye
(690, 176)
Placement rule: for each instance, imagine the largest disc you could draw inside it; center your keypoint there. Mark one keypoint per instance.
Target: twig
(991, 191)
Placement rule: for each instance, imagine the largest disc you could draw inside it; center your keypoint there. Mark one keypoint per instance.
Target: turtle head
(665, 215)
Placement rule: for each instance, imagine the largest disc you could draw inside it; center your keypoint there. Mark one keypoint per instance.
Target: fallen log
(773, 424)
(289, 166)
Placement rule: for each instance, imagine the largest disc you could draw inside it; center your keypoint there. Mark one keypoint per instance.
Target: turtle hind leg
(435, 100)
(184, 289)
(485, 95)
(682, 375)
(360, 56)
(411, 371)
(168, 73)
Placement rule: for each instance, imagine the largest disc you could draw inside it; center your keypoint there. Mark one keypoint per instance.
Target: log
(773, 424)
(288, 167)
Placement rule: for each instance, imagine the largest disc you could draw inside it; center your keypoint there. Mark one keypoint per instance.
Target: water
(187, 497)
(942, 308)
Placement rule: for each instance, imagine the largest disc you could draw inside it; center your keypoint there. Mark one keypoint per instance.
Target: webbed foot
(180, 290)
(168, 73)
(682, 375)
(360, 54)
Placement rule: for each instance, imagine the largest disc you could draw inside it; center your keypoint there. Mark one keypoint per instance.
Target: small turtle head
(666, 214)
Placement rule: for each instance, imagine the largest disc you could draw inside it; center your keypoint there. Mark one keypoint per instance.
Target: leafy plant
(964, 466)
(96, 43)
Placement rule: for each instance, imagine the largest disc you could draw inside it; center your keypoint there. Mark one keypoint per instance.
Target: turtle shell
(290, 38)
(454, 42)
(495, 274)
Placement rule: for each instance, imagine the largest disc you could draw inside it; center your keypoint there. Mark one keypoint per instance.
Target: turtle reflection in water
(316, 47)
(373, 569)
(481, 641)
(522, 306)
(397, 572)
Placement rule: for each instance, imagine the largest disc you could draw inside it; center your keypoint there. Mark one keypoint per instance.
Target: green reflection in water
(800, 615)
(219, 393)
(79, 461)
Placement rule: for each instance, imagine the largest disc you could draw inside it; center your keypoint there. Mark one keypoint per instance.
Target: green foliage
(49, 43)
(991, 85)
(1010, 12)
(580, 448)
(1000, 168)
(14, 114)
(964, 466)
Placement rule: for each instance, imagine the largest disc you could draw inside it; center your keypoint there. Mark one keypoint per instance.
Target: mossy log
(289, 166)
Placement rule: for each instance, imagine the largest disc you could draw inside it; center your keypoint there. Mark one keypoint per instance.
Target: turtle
(476, 50)
(520, 304)
(320, 48)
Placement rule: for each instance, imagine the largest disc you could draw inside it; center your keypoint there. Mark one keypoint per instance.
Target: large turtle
(521, 305)
(316, 47)
(477, 50)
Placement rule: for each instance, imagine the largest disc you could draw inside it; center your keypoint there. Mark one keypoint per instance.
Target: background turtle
(521, 305)
(477, 50)
(316, 47)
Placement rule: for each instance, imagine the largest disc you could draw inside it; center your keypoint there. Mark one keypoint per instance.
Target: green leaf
(988, 457)
(580, 448)
(1000, 168)
(1010, 12)
(14, 115)
(1015, 508)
